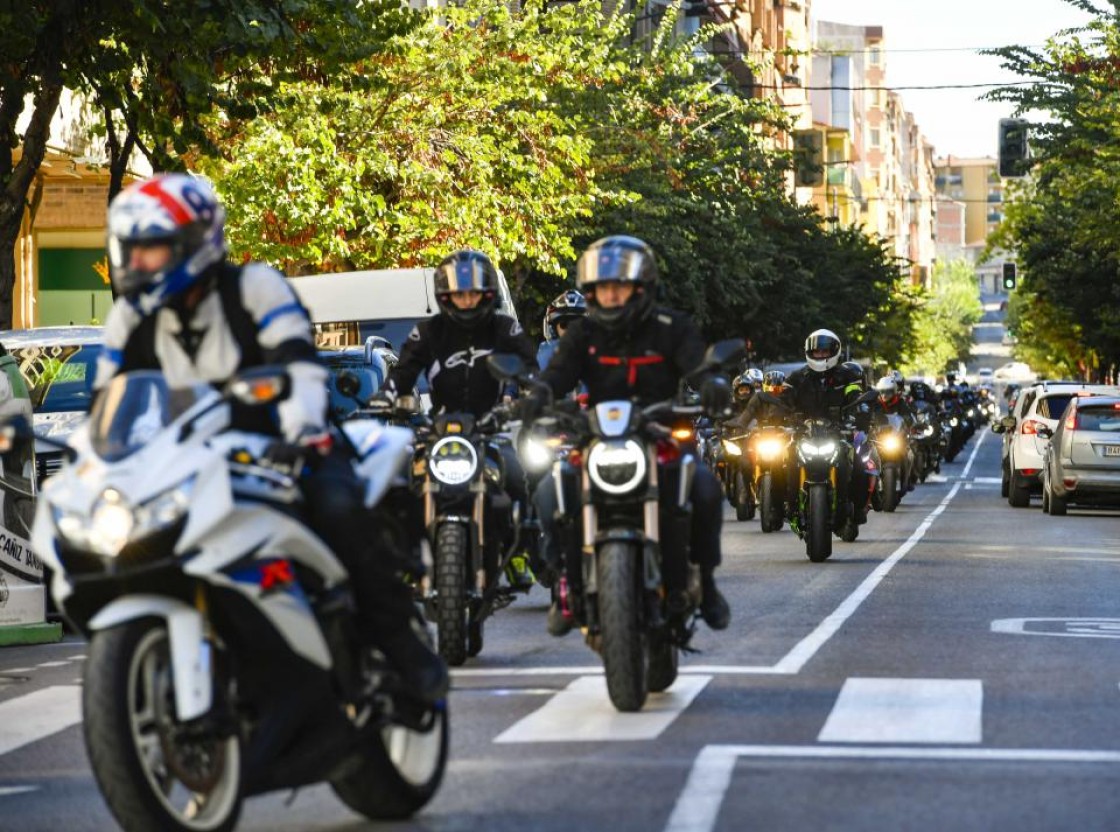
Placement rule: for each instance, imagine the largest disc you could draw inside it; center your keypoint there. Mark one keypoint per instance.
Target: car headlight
(452, 460)
(617, 467)
(113, 523)
(732, 447)
(824, 449)
(769, 448)
(891, 442)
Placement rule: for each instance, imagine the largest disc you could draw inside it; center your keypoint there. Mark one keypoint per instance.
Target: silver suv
(1038, 407)
(1082, 463)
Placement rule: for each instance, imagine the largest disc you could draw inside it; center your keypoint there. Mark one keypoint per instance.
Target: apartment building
(975, 185)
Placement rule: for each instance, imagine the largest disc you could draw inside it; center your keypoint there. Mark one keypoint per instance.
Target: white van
(348, 307)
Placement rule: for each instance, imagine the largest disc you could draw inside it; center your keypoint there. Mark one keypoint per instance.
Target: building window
(875, 55)
(875, 137)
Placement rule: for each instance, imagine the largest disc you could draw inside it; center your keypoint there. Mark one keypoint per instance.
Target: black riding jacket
(644, 364)
(822, 395)
(454, 359)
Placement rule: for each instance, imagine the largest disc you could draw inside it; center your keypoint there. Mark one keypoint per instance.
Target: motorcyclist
(823, 389)
(565, 308)
(892, 401)
(184, 310)
(759, 412)
(451, 349)
(627, 348)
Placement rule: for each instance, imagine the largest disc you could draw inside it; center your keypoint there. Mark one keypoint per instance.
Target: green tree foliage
(153, 69)
(1064, 222)
(943, 320)
(529, 134)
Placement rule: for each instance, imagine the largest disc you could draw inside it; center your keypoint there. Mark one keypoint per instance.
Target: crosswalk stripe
(583, 712)
(906, 710)
(29, 718)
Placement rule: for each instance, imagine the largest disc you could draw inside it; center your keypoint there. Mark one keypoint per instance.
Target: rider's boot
(714, 608)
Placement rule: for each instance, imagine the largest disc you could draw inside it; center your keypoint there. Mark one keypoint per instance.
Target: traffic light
(1014, 155)
(1009, 276)
(808, 158)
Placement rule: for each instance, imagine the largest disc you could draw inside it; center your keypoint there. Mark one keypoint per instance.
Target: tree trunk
(13, 197)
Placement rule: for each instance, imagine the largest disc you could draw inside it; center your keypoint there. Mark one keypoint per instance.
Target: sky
(955, 121)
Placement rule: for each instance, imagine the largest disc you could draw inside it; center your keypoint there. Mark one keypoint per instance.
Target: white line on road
(582, 712)
(27, 719)
(972, 456)
(7, 790)
(697, 808)
(52, 664)
(17, 670)
(939, 711)
(796, 658)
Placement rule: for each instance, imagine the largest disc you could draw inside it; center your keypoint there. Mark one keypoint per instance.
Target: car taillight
(1071, 420)
(1031, 426)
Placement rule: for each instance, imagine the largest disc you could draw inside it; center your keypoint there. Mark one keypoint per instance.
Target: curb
(17, 634)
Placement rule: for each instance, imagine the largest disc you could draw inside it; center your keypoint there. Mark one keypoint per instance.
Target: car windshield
(59, 376)
(133, 409)
(1106, 419)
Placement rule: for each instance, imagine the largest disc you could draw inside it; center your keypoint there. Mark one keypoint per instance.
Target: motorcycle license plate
(1112, 450)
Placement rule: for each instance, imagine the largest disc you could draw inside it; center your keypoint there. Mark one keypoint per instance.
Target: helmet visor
(612, 263)
(463, 276)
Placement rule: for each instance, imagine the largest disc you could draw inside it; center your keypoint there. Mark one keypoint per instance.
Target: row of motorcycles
(787, 471)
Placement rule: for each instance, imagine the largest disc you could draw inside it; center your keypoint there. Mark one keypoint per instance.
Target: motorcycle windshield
(133, 408)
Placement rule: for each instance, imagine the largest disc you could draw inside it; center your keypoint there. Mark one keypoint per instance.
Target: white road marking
(78, 658)
(988, 480)
(796, 658)
(597, 670)
(972, 456)
(1071, 627)
(697, 808)
(17, 670)
(27, 719)
(906, 710)
(52, 664)
(7, 790)
(582, 712)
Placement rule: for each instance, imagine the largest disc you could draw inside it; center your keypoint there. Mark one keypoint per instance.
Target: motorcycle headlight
(808, 449)
(452, 460)
(113, 523)
(954, 421)
(538, 453)
(732, 447)
(768, 448)
(891, 442)
(617, 467)
(971, 412)
(928, 431)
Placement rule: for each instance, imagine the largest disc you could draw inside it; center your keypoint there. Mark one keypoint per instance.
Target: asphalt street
(955, 668)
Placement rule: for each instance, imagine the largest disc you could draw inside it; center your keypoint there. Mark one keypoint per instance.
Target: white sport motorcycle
(222, 661)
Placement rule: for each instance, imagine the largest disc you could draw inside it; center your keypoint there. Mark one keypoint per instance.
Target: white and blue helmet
(176, 209)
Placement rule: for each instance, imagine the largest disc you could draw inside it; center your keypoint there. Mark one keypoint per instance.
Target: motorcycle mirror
(505, 366)
(348, 384)
(722, 354)
(260, 386)
(1008, 422)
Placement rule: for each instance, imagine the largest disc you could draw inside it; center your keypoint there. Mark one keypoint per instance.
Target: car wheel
(1045, 500)
(1005, 481)
(1019, 491)
(1057, 504)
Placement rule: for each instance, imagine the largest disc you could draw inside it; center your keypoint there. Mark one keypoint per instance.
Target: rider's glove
(715, 396)
(294, 456)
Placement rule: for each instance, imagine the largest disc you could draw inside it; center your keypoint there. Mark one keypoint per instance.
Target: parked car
(1082, 462)
(59, 364)
(1038, 406)
(1016, 370)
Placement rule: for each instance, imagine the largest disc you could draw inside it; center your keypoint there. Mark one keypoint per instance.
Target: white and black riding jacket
(250, 317)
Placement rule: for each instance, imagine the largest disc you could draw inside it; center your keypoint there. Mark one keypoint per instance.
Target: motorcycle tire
(744, 499)
(126, 665)
(400, 770)
(664, 659)
(766, 512)
(452, 613)
(624, 647)
(890, 489)
(818, 532)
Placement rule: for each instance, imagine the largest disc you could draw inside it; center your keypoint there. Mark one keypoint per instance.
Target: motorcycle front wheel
(624, 647)
(152, 772)
(770, 517)
(401, 770)
(818, 534)
(744, 499)
(890, 488)
(450, 557)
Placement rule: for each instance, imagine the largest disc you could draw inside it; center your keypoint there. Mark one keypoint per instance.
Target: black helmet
(745, 385)
(467, 271)
(564, 309)
(822, 350)
(920, 391)
(773, 380)
(618, 259)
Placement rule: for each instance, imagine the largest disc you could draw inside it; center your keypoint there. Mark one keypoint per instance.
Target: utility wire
(789, 87)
